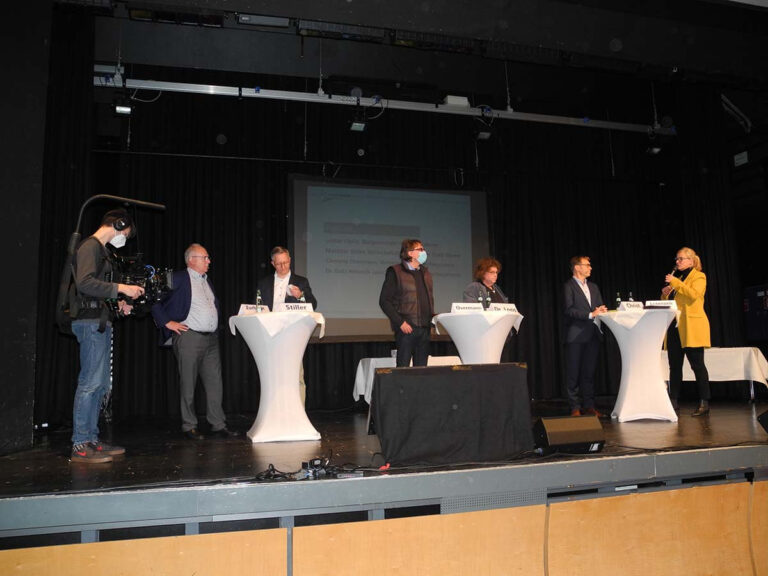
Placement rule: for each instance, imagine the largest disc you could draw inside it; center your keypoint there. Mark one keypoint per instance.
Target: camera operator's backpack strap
(104, 316)
(103, 319)
(66, 301)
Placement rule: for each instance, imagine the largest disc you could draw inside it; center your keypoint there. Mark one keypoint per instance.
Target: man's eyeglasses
(203, 257)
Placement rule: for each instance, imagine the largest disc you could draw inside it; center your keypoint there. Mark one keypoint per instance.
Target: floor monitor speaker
(763, 419)
(576, 434)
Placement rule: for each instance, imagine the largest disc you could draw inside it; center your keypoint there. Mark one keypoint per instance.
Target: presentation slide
(346, 235)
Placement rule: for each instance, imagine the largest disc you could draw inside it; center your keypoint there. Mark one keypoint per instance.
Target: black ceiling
(727, 41)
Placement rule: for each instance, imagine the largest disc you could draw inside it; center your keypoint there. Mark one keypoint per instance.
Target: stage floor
(159, 456)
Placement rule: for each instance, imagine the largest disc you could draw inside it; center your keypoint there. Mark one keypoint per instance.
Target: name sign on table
(294, 307)
(250, 309)
(630, 306)
(671, 304)
(503, 307)
(466, 307)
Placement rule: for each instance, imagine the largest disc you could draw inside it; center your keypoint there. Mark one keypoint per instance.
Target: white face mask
(118, 241)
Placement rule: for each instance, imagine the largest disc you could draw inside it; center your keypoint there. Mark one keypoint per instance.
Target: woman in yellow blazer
(687, 285)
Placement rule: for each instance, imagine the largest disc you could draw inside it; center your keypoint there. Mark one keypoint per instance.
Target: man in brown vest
(408, 301)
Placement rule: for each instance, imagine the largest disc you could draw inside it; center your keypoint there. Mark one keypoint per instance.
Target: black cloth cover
(452, 414)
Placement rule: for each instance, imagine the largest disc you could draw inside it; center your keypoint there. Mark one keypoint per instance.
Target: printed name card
(671, 304)
(630, 306)
(251, 309)
(503, 307)
(466, 307)
(293, 307)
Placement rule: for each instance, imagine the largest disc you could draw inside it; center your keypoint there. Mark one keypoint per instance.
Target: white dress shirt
(585, 289)
(203, 316)
(280, 290)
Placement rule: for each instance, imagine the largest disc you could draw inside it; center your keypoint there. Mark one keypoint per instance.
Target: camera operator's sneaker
(107, 449)
(87, 454)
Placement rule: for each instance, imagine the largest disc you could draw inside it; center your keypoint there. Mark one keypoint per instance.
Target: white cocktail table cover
(366, 369)
(642, 391)
(728, 365)
(479, 336)
(277, 341)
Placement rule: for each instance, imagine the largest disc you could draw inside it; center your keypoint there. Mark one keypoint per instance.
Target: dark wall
(24, 45)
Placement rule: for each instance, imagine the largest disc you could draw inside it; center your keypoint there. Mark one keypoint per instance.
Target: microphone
(673, 272)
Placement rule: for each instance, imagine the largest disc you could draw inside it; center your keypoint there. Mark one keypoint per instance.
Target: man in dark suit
(285, 286)
(583, 302)
(189, 319)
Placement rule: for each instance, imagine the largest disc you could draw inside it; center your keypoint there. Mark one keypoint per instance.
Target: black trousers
(414, 345)
(580, 365)
(675, 354)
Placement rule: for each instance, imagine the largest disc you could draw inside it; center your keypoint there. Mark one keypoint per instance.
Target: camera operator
(93, 329)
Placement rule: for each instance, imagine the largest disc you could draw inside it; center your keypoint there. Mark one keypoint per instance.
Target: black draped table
(452, 414)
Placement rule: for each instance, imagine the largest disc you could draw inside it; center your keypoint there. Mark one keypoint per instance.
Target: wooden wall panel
(251, 553)
(507, 541)
(698, 530)
(760, 527)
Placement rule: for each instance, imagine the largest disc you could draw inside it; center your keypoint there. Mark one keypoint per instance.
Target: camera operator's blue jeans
(93, 381)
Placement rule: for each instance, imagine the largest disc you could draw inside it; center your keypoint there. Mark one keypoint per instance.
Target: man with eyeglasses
(583, 302)
(285, 287)
(188, 317)
(408, 301)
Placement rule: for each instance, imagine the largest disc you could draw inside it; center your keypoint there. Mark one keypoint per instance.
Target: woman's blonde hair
(691, 253)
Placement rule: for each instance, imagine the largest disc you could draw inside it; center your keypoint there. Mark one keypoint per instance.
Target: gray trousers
(197, 354)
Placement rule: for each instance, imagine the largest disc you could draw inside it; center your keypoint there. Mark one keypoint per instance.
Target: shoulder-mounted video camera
(157, 282)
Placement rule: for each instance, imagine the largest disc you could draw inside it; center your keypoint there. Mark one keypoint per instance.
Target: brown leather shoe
(576, 412)
(593, 412)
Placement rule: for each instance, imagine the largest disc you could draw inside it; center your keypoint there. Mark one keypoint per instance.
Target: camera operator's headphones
(120, 224)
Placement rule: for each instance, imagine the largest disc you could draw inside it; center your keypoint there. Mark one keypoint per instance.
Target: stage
(169, 485)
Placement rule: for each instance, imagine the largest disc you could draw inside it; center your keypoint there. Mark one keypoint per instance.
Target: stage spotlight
(654, 146)
(358, 122)
(123, 109)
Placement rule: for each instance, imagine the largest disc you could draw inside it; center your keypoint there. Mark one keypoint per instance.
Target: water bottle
(480, 301)
(630, 296)
(258, 297)
(618, 300)
(487, 301)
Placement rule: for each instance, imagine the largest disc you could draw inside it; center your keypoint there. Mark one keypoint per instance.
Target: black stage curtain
(66, 184)
(221, 166)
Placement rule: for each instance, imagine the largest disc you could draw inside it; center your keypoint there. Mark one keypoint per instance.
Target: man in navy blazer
(189, 319)
(287, 286)
(583, 302)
